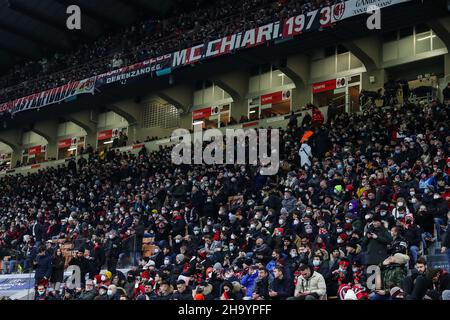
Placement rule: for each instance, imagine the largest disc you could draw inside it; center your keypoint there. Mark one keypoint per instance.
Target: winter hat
(218, 266)
(446, 295)
(108, 275)
(338, 188)
(395, 292)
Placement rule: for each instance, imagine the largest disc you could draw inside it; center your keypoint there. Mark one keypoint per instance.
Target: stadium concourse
(367, 198)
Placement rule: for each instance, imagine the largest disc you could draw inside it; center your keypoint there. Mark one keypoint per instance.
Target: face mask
(177, 240)
(400, 204)
(231, 248)
(280, 221)
(339, 230)
(252, 226)
(41, 292)
(436, 197)
(316, 263)
(110, 293)
(413, 200)
(111, 236)
(348, 220)
(293, 254)
(401, 215)
(342, 270)
(355, 270)
(166, 262)
(383, 213)
(196, 232)
(286, 197)
(412, 193)
(367, 216)
(339, 241)
(156, 251)
(267, 225)
(296, 221)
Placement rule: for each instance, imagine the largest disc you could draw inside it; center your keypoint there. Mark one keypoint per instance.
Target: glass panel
(390, 51)
(343, 62)
(354, 62)
(423, 42)
(406, 47)
(437, 43)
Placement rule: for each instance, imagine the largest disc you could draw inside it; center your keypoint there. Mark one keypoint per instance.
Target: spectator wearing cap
(102, 293)
(376, 241)
(89, 292)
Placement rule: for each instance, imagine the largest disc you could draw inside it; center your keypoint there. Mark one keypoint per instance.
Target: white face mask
(436, 196)
(280, 221)
(156, 251)
(400, 204)
(296, 221)
(339, 230)
(110, 292)
(267, 225)
(339, 241)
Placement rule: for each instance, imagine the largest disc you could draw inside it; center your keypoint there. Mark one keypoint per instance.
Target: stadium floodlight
(73, 148)
(197, 123)
(108, 142)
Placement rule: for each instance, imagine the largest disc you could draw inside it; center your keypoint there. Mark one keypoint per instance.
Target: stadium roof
(31, 29)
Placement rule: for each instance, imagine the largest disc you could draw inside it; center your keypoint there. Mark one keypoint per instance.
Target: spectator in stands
(58, 263)
(416, 285)
(310, 285)
(376, 241)
(43, 267)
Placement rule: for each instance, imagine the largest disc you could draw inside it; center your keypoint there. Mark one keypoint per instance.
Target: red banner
(64, 143)
(105, 135)
(34, 150)
(324, 86)
(201, 113)
(250, 124)
(272, 98)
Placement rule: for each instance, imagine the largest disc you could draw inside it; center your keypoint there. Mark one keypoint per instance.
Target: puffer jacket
(314, 284)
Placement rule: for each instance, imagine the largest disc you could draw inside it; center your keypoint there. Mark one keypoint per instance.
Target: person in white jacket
(305, 155)
(310, 285)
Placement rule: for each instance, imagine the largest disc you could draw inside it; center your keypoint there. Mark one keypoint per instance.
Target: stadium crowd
(362, 190)
(203, 21)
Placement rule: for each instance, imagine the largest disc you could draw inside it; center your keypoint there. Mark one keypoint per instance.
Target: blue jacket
(248, 281)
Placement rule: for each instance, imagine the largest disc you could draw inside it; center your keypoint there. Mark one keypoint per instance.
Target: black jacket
(58, 269)
(284, 287)
(376, 249)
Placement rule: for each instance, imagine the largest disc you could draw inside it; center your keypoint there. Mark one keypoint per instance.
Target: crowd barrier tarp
(17, 286)
(273, 32)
